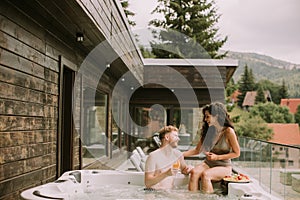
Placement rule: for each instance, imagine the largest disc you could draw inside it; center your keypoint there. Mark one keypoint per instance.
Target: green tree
(128, 13)
(283, 91)
(253, 127)
(297, 115)
(188, 30)
(246, 83)
(231, 87)
(272, 113)
(273, 88)
(260, 95)
(146, 52)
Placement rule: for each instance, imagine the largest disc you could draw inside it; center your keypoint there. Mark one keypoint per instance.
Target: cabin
(291, 103)
(249, 100)
(286, 134)
(74, 89)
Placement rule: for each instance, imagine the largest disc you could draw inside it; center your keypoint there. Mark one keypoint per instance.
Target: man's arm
(153, 177)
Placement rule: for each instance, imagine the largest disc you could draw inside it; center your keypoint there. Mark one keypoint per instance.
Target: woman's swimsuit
(221, 147)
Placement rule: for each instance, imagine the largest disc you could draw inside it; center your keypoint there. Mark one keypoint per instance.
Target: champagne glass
(175, 170)
(176, 167)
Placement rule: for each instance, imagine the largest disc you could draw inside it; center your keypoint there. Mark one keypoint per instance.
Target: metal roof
(190, 62)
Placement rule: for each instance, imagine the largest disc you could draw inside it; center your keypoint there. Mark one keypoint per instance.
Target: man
(158, 169)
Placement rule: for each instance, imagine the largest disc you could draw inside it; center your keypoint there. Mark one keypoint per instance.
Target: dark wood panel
(9, 107)
(21, 79)
(27, 152)
(101, 21)
(14, 184)
(116, 34)
(21, 49)
(184, 77)
(21, 64)
(145, 96)
(15, 123)
(21, 34)
(12, 92)
(28, 67)
(18, 138)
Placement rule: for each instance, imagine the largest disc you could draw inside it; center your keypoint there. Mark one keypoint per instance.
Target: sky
(268, 27)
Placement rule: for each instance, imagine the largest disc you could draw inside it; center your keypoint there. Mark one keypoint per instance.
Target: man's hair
(167, 129)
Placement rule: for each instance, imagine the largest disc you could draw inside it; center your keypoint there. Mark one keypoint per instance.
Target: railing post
(271, 168)
(260, 161)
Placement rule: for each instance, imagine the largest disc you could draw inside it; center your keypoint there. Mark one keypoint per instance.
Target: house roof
(291, 103)
(249, 99)
(234, 96)
(285, 133)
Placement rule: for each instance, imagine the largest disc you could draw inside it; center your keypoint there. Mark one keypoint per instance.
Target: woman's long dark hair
(214, 109)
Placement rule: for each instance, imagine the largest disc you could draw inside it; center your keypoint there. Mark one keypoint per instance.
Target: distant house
(249, 99)
(292, 104)
(287, 134)
(234, 96)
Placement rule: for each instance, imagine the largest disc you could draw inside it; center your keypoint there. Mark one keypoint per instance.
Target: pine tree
(128, 13)
(283, 92)
(189, 30)
(246, 84)
(260, 95)
(146, 52)
(231, 87)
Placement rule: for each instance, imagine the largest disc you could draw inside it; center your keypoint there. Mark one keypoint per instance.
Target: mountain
(266, 67)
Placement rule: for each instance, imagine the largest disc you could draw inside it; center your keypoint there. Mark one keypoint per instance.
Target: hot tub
(82, 184)
(121, 185)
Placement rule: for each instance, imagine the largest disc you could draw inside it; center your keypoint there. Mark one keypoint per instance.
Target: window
(95, 127)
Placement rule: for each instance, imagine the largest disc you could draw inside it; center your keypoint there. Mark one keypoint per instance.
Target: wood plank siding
(57, 95)
(37, 42)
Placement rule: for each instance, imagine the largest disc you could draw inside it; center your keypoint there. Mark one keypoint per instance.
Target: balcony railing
(275, 166)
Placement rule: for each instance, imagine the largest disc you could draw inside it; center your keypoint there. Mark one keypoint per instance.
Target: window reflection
(95, 129)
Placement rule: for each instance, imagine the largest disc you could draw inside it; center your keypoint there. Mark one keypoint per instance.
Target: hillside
(266, 67)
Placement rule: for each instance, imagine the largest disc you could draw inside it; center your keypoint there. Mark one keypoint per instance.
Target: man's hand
(170, 172)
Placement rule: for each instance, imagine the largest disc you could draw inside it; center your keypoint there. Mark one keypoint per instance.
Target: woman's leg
(195, 175)
(213, 174)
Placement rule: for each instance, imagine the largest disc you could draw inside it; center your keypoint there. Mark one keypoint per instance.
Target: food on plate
(237, 178)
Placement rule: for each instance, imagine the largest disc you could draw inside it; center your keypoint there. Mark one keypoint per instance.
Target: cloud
(269, 27)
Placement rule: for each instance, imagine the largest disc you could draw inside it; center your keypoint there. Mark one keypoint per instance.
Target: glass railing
(276, 167)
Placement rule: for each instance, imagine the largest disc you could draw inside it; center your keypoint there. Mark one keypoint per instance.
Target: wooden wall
(30, 67)
(29, 84)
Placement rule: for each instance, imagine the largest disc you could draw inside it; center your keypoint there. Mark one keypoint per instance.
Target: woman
(219, 143)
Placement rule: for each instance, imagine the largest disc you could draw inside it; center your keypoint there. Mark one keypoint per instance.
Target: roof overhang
(97, 21)
(208, 70)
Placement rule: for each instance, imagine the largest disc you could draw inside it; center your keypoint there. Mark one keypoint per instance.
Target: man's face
(173, 139)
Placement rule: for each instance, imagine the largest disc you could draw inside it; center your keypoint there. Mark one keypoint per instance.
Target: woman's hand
(187, 169)
(211, 156)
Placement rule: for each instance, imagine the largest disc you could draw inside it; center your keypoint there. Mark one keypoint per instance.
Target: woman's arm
(185, 169)
(195, 151)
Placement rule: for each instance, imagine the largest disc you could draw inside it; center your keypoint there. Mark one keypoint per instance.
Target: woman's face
(209, 119)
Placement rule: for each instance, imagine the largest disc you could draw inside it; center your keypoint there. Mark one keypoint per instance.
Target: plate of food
(237, 178)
